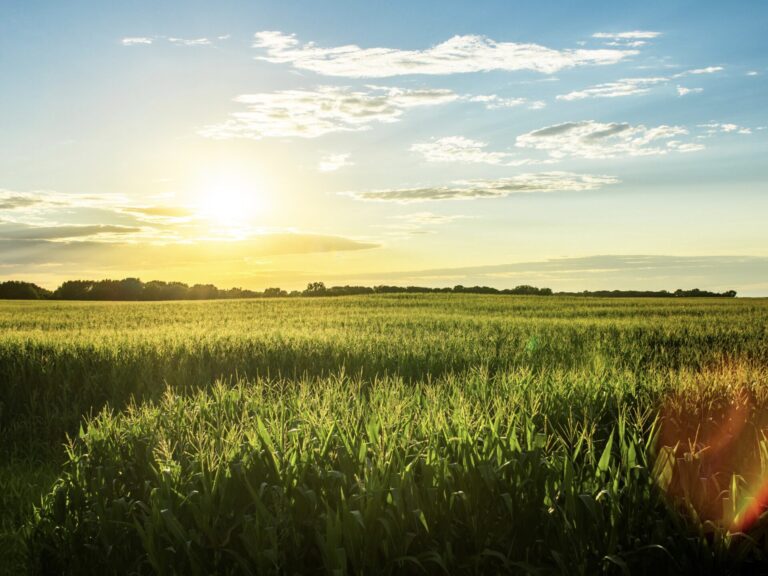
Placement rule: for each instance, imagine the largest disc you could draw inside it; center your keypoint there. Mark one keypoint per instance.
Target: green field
(386, 434)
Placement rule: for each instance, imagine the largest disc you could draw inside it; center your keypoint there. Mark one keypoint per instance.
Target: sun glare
(229, 202)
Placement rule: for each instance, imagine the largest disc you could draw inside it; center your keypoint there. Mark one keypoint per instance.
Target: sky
(574, 145)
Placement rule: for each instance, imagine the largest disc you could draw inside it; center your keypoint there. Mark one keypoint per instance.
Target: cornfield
(387, 434)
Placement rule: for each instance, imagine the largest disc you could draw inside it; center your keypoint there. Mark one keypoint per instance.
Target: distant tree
(274, 292)
(131, 289)
(203, 292)
(16, 290)
(177, 291)
(155, 290)
(74, 290)
(315, 289)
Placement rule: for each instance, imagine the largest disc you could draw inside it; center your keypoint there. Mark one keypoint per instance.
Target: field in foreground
(437, 434)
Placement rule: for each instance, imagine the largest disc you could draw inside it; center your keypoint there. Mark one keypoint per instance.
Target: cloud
(707, 70)
(10, 231)
(477, 189)
(623, 87)
(146, 40)
(631, 39)
(590, 139)
(428, 218)
(26, 254)
(700, 71)
(632, 35)
(333, 162)
(459, 54)
(683, 91)
(753, 73)
(495, 102)
(313, 113)
(713, 128)
(635, 86)
(465, 150)
(418, 223)
(159, 212)
(11, 200)
(136, 41)
(47, 200)
(190, 41)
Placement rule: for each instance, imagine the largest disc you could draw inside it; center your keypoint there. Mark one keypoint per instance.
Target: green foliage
(438, 434)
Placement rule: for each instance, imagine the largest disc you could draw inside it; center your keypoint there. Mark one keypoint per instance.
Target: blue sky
(258, 144)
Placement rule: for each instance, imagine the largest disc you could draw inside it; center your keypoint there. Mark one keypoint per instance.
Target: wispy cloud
(683, 91)
(155, 213)
(631, 35)
(418, 223)
(135, 256)
(190, 41)
(713, 128)
(700, 71)
(459, 54)
(333, 162)
(312, 113)
(630, 39)
(9, 231)
(148, 40)
(495, 102)
(428, 218)
(753, 73)
(136, 41)
(707, 70)
(636, 86)
(590, 139)
(499, 188)
(12, 200)
(465, 150)
(623, 87)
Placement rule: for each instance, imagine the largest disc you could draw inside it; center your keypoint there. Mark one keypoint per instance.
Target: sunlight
(229, 201)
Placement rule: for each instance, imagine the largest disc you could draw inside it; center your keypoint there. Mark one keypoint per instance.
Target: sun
(229, 202)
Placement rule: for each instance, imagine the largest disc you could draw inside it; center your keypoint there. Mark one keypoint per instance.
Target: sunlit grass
(389, 434)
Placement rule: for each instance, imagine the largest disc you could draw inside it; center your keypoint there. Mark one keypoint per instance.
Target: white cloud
(753, 73)
(707, 70)
(632, 39)
(623, 87)
(634, 86)
(683, 91)
(590, 139)
(465, 150)
(418, 223)
(190, 41)
(631, 35)
(700, 71)
(495, 102)
(713, 128)
(136, 41)
(333, 162)
(312, 113)
(478, 189)
(459, 54)
(146, 40)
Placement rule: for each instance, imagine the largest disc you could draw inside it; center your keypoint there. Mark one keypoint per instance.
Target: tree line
(135, 289)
